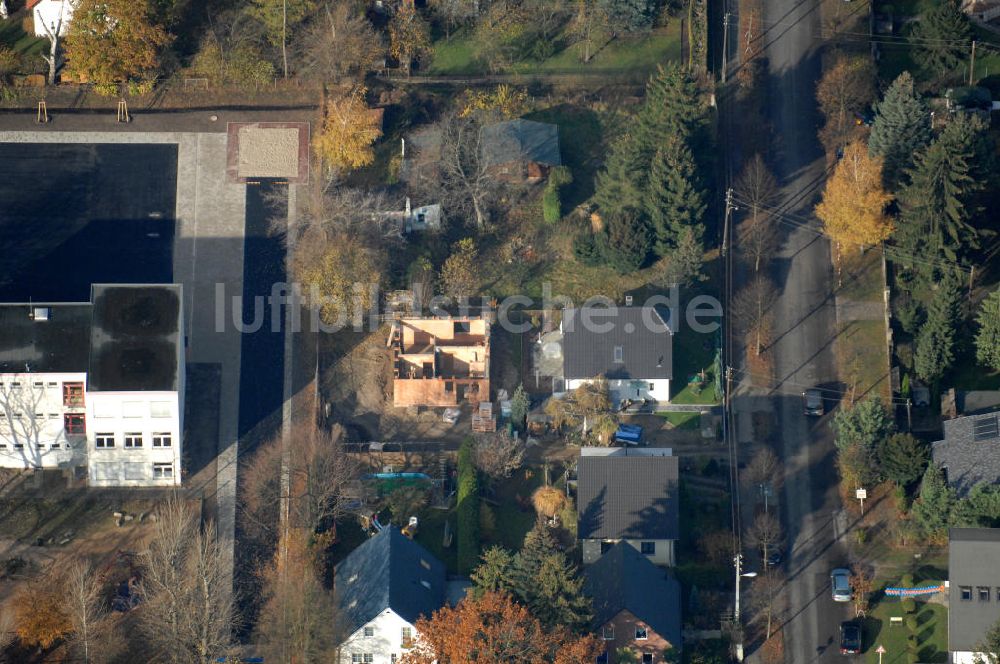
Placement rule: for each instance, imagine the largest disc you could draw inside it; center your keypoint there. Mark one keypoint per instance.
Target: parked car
(812, 400)
(840, 584)
(850, 638)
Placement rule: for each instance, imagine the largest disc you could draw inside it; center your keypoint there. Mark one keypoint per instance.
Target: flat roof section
(59, 344)
(134, 345)
(76, 214)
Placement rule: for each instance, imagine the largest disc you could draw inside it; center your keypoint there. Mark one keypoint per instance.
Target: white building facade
(636, 389)
(97, 385)
(382, 640)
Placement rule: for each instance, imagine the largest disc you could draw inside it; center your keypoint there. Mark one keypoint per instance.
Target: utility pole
(726, 221)
(972, 62)
(738, 624)
(909, 416)
(725, 44)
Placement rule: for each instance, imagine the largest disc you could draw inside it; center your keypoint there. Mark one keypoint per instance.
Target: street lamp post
(738, 559)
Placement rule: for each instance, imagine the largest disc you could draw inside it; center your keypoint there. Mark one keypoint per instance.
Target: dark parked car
(813, 402)
(850, 638)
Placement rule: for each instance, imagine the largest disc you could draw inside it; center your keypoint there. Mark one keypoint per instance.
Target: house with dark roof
(970, 451)
(629, 347)
(628, 495)
(973, 590)
(97, 385)
(637, 605)
(519, 151)
(382, 588)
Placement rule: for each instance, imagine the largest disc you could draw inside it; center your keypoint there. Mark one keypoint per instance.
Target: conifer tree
(902, 126)
(494, 572)
(932, 510)
(547, 582)
(988, 336)
(671, 108)
(627, 240)
(938, 203)
(623, 179)
(935, 349)
(674, 201)
(945, 33)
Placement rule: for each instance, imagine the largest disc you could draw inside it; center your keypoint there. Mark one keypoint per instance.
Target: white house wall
(31, 421)
(143, 413)
(47, 12)
(385, 642)
(654, 389)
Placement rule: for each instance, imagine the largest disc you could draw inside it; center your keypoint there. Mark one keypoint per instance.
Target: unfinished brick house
(440, 361)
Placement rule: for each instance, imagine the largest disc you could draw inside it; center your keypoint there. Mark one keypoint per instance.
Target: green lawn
(13, 37)
(693, 352)
(630, 56)
(932, 633)
(688, 421)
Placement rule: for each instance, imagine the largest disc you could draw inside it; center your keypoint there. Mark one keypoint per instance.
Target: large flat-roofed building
(97, 385)
(440, 361)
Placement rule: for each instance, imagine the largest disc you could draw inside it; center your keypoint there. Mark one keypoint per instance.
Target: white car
(840, 584)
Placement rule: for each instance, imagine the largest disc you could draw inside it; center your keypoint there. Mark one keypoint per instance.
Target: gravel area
(268, 152)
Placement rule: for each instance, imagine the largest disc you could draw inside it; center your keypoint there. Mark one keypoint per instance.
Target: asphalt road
(804, 332)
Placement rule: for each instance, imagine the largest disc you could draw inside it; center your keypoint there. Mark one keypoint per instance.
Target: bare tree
(319, 471)
(757, 190)
(751, 308)
(188, 612)
(764, 469)
(498, 455)
(93, 637)
(862, 584)
(298, 621)
(765, 533)
(764, 602)
(52, 32)
(468, 182)
(339, 42)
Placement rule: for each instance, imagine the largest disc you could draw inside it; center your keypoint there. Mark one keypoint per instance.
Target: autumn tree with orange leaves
(499, 631)
(854, 202)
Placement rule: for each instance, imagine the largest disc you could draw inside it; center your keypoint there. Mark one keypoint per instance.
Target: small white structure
(97, 385)
(51, 14)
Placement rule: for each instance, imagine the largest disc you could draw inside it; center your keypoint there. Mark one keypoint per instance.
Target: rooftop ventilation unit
(39, 313)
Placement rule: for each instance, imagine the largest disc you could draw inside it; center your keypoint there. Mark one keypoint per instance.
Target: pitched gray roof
(628, 497)
(970, 450)
(521, 141)
(389, 571)
(592, 337)
(624, 579)
(973, 562)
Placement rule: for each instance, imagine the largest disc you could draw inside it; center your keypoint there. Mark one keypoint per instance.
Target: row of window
(39, 446)
(72, 392)
(645, 548)
(133, 409)
(369, 658)
(73, 423)
(608, 633)
(405, 635)
(132, 440)
(983, 592)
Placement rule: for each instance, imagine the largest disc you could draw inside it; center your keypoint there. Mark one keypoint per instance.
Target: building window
(163, 471)
(647, 658)
(366, 658)
(104, 440)
(369, 632)
(163, 439)
(53, 416)
(55, 446)
(647, 548)
(38, 385)
(984, 593)
(159, 409)
(18, 446)
(608, 633)
(75, 423)
(72, 394)
(966, 593)
(640, 634)
(133, 440)
(406, 636)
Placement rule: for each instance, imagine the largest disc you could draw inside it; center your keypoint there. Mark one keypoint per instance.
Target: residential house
(981, 10)
(628, 495)
(51, 16)
(516, 151)
(96, 385)
(441, 361)
(970, 451)
(637, 605)
(382, 588)
(630, 347)
(973, 589)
